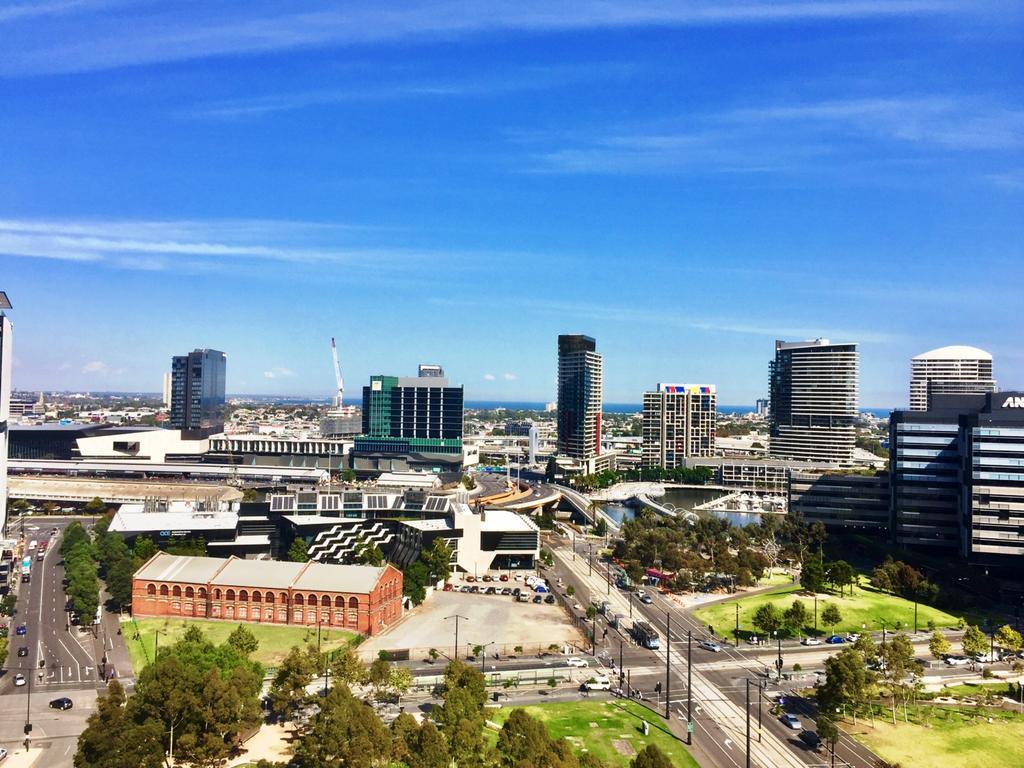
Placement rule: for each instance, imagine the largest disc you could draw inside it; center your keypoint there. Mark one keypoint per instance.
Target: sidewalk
(21, 758)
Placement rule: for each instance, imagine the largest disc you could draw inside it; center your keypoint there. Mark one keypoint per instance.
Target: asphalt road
(61, 660)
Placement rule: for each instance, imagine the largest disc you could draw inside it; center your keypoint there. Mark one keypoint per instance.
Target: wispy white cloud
(788, 137)
(197, 246)
(489, 377)
(509, 376)
(95, 366)
(278, 373)
(161, 34)
(520, 79)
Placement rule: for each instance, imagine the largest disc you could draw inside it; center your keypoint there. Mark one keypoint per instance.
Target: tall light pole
(689, 697)
(668, 655)
(747, 681)
(455, 652)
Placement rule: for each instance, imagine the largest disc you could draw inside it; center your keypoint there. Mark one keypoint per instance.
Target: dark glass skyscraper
(580, 389)
(198, 382)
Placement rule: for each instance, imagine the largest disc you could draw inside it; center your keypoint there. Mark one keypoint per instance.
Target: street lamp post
(689, 698)
(737, 623)
(778, 661)
(455, 652)
(668, 655)
(747, 681)
(815, 613)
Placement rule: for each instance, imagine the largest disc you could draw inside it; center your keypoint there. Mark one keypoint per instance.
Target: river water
(685, 498)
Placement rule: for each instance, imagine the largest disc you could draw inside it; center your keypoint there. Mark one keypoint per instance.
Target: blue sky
(460, 182)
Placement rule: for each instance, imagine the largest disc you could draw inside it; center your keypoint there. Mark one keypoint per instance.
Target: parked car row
(518, 593)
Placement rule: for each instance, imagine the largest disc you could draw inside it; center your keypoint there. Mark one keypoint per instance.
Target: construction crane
(339, 396)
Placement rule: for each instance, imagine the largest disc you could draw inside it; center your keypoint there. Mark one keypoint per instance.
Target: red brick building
(360, 598)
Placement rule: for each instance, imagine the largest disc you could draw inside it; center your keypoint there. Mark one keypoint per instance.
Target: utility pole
(737, 624)
(815, 613)
(761, 685)
(621, 673)
(747, 681)
(590, 567)
(689, 697)
(455, 652)
(668, 655)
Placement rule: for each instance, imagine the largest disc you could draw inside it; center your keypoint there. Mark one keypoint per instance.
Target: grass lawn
(611, 730)
(950, 738)
(866, 606)
(275, 641)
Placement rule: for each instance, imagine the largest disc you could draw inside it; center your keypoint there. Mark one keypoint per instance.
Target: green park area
(938, 737)
(862, 607)
(275, 641)
(610, 730)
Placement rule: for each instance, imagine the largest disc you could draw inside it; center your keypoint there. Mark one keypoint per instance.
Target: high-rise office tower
(580, 388)
(679, 422)
(956, 370)
(410, 422)
(813, 389)
(6, 353)
(198, 400)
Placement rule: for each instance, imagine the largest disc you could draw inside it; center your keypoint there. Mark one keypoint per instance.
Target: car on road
(3, 753)
(836, 640)
(21, 630)
(853, 637)
(506, 591)
(957, 661)
(537, 598)
(599, 683)
(448, 587)
(550, 599)
(19, 680)
(707, 645)
(489, 591)
(63, 703)
(503, 577)
(23, 651)
(811, 739)
(575, 661)
(791, 721)
(646, 599)
(810, 641)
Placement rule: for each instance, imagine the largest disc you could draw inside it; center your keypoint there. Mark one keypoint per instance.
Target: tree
(828, 731)
(143, 549)
(96, 506)
(591, 611)
(768, 618)
(404, 735)
(345, 732)
(848, 682)
(1009, 639)
(570, 590)
(601, 527)
(842, 575)
(298, 551)
(938, 646)
(831, 616)
(812, 576)
(288, 688)
(249, 495)
(437, 559)
(796, 616)
(370, 554)
(431, 748)
(974, 641)
(651, 756)
(461, 714)
(898, 658)
(243, 640)
(524, 741)
(112, 740)
(414, 582)
(347, 668)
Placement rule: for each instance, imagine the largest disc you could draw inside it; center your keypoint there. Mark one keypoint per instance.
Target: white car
(853, 637)
(791, 721)
(599, 683)
(810, 641)
(957, 661)
(3, 753)
(707, 645)
(19, 680)
(575, 661)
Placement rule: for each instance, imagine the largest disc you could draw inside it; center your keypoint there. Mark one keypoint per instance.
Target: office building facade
(410, 423)
(956, 370)
(853, 502)
(679, 422)
(580, 391)
(957, 476)
(814, 386)
(198, 386)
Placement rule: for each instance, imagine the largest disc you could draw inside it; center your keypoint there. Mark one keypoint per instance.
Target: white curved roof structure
(955, 352)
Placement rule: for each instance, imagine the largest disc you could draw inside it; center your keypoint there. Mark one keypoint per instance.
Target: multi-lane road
(61, 661)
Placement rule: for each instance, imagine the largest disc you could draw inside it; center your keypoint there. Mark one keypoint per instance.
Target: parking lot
(500, 621)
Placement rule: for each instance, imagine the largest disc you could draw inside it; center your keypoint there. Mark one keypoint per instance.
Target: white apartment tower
(813, 401)
(956, 370)
(679, 422)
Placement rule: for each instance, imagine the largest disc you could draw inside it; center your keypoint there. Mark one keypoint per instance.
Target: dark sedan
(63, 703)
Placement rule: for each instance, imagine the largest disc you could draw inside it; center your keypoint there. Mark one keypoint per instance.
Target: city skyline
(684, 183)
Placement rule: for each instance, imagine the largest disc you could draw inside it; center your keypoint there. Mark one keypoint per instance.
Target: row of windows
(256, 596)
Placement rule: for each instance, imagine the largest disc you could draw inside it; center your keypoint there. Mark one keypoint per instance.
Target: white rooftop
(429, 525)
(131, 519)
(955, 352)
(409, 479)
(506, 520)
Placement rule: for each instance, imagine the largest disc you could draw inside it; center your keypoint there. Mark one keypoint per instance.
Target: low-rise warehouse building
(359, 598)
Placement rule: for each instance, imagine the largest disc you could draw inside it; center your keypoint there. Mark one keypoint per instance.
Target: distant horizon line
(326, 399)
